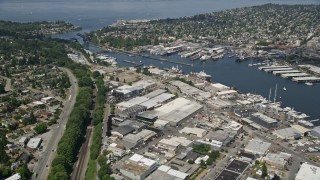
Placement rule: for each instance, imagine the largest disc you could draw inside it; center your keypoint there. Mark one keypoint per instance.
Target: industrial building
(117, 150)
(136, 125)
(234, 126)
(315, 132)
(122, 131)
(257, 147)
(177, 110)
(279, 160)
(158, 100)
(126, 91)
(132, 140)
(145, 84)
(167, 173)
(131, 112)
(287, 133)
(264, 120)
(308, 171)
(193, 131)
(150, 100)
(220, 137)
(138, 167)
(173, 144)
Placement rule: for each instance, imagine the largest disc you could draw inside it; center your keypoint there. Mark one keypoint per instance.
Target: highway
(42, 169)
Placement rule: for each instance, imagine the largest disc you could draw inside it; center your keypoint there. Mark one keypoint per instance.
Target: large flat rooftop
(177, 110)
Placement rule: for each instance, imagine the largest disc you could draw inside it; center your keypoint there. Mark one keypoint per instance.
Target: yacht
(203, 75)
(309, 83)
(284, 88)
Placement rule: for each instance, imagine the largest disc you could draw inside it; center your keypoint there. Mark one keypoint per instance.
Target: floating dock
(272, 67)
(285, 72)
(292, 75)
(306, 79)
(278, 69)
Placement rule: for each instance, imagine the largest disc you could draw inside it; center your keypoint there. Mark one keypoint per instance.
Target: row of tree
(79, 118)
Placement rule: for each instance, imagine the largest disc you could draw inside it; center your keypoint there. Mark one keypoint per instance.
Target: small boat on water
(284, 88)
(309, 83)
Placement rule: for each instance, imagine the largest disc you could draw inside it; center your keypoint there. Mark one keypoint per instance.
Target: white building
(14, 177)
(138, 167)
(308, 172)
(34, 143)
(279, 160)
(257, 146)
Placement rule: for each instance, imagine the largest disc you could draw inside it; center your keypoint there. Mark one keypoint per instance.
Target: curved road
(48, 155)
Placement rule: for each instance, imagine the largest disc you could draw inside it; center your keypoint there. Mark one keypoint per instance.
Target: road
(49, 153)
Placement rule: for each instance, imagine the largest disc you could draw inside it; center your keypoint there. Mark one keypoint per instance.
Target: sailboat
(284, 88)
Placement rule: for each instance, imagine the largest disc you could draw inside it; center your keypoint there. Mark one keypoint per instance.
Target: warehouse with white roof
(177, 110)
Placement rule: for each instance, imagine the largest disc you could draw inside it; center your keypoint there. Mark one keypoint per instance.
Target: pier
(306, 79)
(278, 69)
(292, 75)
(165, 60)
(272, 67)
(285, 72)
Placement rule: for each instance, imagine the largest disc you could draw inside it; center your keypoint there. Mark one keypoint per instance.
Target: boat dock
(306, 79)
(285, 72)
(292, 75)
(278, 69)
(272, 67)
(165, 60)
(132, 62)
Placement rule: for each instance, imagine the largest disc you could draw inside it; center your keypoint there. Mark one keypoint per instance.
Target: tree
(2, 90)
(190, 161)
(41, 128)
(111, 78)
(138, 70)
(264, 171)
(104, 169)
(24, 172)
(124, 80)
(117, 79)
(3, 142)
(276, 177)
(96, 74)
